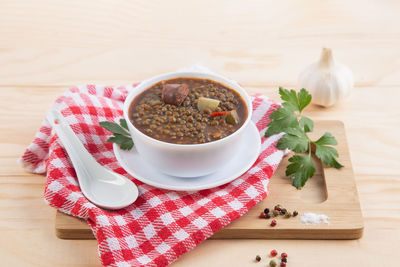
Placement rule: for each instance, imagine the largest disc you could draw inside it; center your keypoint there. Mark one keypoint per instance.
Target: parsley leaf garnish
(289, 120)
(282, 118)
(306, 124)
(300, 169)
(121, 136)
(326, 153)
(294, 139)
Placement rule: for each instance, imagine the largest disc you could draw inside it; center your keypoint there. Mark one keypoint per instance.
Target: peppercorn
(258, 258)
(277, 207)
(283, 211)
(284, 260)
(275, 213)
(283, 264)
(272, 263)
(283, 255)
(273, 223)
(288, 214)
(262, 215)
(266, 210)
(267, 216)
(273, 253)
(295, 213)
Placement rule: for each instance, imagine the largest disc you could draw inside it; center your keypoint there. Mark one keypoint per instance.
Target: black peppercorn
(266, 210)
(283, 211)
(295, 213)
(284, 259)
(258, 258)
(267, 216)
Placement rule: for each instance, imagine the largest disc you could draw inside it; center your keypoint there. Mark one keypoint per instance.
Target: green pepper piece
(232, 117)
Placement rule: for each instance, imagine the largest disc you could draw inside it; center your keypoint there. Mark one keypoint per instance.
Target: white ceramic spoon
(101, 186)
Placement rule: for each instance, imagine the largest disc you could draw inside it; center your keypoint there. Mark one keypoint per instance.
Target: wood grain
(258, 43)
(47, 46)
(332, 192)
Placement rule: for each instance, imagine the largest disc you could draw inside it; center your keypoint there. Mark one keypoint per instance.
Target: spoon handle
(81, 159)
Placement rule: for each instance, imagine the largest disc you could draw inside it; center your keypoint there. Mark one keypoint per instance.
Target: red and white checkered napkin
(161, 225)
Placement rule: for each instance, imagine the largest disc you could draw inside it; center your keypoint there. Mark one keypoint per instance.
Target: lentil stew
(188, 111)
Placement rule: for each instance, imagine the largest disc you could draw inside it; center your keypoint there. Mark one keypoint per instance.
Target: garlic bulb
(327, 80)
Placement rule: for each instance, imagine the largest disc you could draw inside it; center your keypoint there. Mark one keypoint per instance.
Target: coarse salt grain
(313, 218)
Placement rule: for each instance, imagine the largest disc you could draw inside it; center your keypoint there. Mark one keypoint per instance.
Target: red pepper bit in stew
(173, 93)
(219, 113)
(231, 117)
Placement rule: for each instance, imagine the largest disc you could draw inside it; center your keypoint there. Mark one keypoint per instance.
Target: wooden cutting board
(331, 192)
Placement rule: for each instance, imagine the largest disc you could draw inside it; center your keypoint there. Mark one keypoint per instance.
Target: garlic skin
(326, 80)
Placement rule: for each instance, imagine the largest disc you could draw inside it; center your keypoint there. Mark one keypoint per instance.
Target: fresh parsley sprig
(289, 119)
(121, 136)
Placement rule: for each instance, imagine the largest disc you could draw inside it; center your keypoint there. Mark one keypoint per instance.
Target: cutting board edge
(339, 234)
(74, 234)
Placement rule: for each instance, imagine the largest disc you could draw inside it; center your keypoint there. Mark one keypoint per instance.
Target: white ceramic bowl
(187, 160)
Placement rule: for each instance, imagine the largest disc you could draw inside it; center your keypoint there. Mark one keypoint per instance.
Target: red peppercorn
(283, 264)
(273, 223)
(263, 215)
(283, 255)
(273, 253)
(277, 208)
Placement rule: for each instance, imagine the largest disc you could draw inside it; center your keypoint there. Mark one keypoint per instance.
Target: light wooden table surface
(47, 46)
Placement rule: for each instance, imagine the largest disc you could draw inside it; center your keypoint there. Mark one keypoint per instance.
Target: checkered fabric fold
(161, 225)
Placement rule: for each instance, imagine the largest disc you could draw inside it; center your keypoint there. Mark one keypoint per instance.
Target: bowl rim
(145, 84)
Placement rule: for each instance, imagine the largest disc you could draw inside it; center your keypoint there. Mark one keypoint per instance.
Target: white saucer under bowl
(143, 171)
